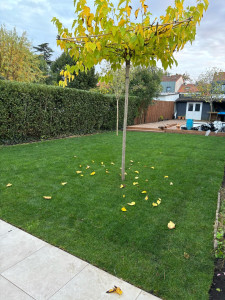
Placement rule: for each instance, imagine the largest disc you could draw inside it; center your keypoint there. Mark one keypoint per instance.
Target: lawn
(84, 216)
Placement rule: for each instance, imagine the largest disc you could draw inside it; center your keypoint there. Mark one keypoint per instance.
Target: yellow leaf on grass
(158, 201)
(144, 192)
(47, 197)
(92, 173)
(136, 177)
(131, 160)
(171, 183)
(107, 171)
(124, 196)
(152, 167)
(135, 183)
(93, 161)
(63, 183)
(122, 186)
(131, 203)
(146, 180)
(102, 163)
(78, 172)
(171, 225)
(154, 204)
(136, 172)
(87, 167)
(81, 175)
(146, 198)
(123, 209)
(166, 176)
(112, 163)
(186, 255)
(80, 166)
(9, 184)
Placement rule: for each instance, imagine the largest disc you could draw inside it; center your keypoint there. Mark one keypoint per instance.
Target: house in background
(163, 107)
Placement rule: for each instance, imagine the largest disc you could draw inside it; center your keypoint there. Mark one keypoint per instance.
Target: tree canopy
(124, 35)
(17, 62)
(83, 80)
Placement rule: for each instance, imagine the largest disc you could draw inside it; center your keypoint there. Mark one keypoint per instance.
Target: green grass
(84, 217)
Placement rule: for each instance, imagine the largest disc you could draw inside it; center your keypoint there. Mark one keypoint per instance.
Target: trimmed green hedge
(33, 112)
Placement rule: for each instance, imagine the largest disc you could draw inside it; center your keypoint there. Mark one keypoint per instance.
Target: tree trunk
(125, 118)
(117, 116)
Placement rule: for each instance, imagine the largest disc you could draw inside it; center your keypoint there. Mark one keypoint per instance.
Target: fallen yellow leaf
(9, 184)
(154, 204)
(135, 183)
(78, 172)
(92, 173)
(81, 175)
(153, 168)
(124, 196)
(146, 198)
(106, 171)
(102, 163)
(63, 183)
(171, 183)
(144, 192)
(136, 177)
(186, 255)
(122, 186)
(80, 166)
(112, 163)
(93, 161)
(171, 225)
(87, 167)
(131, 203)
(123, 209)
(47, 197)
(116, 289)
(166, 176)
(158, 201)
(146, 180)
(131, 160)
(136, 172)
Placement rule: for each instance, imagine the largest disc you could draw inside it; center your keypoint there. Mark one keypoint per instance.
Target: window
(197, 107)
(168, 89)
(190, 107)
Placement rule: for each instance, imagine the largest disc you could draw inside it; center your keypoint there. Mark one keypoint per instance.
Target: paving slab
(9, 291)
(92, 283)
(5, 228)
(44, 272)
(15, 246)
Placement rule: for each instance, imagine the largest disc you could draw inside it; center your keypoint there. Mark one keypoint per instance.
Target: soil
(217, 290)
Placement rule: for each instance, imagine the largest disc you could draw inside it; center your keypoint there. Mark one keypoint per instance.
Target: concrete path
(32, 269)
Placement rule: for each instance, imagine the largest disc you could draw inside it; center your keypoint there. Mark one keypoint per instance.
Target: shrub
(33, 111)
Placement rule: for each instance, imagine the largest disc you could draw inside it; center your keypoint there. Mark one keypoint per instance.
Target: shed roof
(188, 88)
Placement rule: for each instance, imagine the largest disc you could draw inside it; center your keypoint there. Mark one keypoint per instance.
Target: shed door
(194, 110)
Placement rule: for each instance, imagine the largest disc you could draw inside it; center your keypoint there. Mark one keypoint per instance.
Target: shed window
(168, 88)
(197, 107)
(190, 107)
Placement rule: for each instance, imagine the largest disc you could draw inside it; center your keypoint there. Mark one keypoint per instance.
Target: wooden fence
(156, 111)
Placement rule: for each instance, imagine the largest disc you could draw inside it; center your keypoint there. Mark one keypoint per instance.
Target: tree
(146, 85)
(116, 81)
(111, 34)
(45, 51)
(209, 86)
(17, 62)
(83, 80)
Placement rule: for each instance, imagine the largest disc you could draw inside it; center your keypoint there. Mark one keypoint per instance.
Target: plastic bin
(189, 124)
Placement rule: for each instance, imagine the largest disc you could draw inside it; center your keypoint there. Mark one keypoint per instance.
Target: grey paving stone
(92, 284)
(15, 246)
(44, 272)
(5, 228)
(9, 291)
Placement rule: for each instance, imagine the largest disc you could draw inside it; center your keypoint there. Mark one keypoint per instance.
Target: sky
(34, 17)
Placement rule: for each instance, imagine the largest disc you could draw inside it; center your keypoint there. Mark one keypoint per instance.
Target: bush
(33, 111)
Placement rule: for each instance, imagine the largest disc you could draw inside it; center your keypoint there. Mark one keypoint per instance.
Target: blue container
(189, 124)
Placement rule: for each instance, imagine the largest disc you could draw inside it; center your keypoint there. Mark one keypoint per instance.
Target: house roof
(166, 78)
(188, 88)
(219, 76)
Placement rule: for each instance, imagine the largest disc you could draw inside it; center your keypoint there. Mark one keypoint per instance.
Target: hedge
(33, 112)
